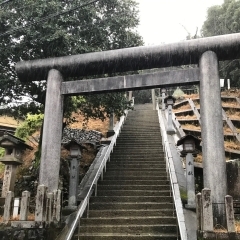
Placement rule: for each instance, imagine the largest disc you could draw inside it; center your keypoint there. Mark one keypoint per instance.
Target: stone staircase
(134, 199)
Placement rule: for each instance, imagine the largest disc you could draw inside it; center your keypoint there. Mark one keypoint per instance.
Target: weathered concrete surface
(214, 163)
(191, 223)
(52, 132)
(129, 59)
(128, 82)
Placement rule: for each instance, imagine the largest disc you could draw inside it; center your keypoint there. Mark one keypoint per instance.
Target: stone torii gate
(205, 51)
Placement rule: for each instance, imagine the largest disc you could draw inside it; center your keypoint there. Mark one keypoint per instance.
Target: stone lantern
(111, 131)
(169, 101)
(14, 148)
(163, 92)
(190, 145)
(75, 156)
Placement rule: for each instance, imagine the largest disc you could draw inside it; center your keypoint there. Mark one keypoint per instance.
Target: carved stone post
(207, 213)
(190, 181)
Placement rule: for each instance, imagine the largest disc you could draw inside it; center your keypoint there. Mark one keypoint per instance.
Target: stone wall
(7, 233)
(233, 178)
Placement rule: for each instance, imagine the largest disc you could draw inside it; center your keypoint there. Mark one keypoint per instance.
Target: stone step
(108, 213)
(129, 220)
(133, 183)
(133, 178)
(132, 164)
(130, 199)
(156, 171)
(126, 236)
(140, 148)
(133, 193)
(132, 187)
(128, 228)
(137, 154)
(131, 206)
(141, 129)
(128, 172)
(134, 198)
(137, 168)
(134, 134)
(137, 159)
(153, 132)
(145, 143)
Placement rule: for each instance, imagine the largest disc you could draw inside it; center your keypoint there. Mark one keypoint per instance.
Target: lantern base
(190, 206)
(68, 210)
(110, 133)
(171, 131)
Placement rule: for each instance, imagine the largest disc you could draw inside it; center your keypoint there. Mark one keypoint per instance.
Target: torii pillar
(52, 132)
(214, 163)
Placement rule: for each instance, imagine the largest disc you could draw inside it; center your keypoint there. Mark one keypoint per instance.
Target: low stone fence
(204, 210)
(47, 209)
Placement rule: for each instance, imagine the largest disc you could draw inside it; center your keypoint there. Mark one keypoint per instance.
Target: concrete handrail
(173, 179)
(68, 234)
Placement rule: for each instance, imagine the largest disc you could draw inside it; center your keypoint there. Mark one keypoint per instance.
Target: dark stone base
(8, 233)
(110, 133)
(68, 210)
(204, 235)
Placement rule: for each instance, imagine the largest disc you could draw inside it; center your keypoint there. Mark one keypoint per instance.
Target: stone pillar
(214, 163)
(9, 179)
(111, 131)
(190, 181)
(74, 181)
(129, 95)
(153, 99)
(52, 132)
(163, 104)
(170, 129)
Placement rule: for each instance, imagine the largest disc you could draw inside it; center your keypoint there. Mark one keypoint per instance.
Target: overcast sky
(163, 21)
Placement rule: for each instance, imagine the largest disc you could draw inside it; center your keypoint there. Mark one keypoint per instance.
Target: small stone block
(229, 213)
(24, 205)
(207, 212)
(41, 202)
(16, 206)
(58, 206)
(49, 207)
(24, 224)
(8, 206)
(199, 210)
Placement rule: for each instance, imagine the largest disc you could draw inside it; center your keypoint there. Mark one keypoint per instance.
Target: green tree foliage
(36, 29)
(225, 19)
(29, 126)
(2, 152)
(142, 96)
